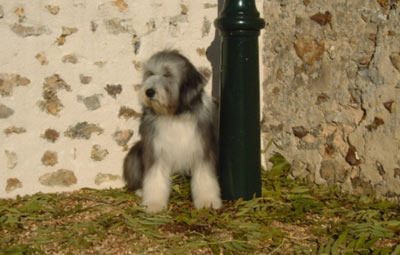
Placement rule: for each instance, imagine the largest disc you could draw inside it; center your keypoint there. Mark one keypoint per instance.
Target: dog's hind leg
(133, 167)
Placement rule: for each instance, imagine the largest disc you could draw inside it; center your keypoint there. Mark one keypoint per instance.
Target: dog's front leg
(156, 189)
(205, 187)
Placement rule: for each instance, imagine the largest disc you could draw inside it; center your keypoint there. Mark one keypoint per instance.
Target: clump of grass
(291, 217)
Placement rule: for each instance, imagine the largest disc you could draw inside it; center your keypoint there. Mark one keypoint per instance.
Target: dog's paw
(154, 206)
(209, 202)
(139, 193)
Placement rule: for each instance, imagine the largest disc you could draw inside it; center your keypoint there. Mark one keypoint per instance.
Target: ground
(291, 217)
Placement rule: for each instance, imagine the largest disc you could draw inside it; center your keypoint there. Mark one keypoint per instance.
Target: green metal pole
(240, 163)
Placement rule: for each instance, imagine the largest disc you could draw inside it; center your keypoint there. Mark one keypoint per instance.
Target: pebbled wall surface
(332, 91)
(68, 70)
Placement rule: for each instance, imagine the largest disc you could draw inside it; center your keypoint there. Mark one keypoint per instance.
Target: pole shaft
(240, 164)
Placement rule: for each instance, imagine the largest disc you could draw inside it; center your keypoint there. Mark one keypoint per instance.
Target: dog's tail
(133, 167)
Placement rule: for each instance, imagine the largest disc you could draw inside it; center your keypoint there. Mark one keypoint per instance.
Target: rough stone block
(12, 159)
(98, 153)
(53, 9)
(13, 184)
(50, 135)
(51, 104)
(83, 130)
(14, 130)
(29, 30)
(9, 81)
(127, 113)
(5, 111)
(113, 90)
(61, 177)
(50, 158)
(91, 102)
(122, 137)
(103, 178)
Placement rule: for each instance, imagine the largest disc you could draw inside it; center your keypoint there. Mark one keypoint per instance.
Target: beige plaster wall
(68, 110)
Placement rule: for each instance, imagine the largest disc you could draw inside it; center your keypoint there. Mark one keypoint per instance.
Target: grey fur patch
(133, 167)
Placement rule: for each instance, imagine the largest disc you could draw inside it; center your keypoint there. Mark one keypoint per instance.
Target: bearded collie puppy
(178, 134)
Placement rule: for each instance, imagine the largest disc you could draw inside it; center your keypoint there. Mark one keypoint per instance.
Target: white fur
(176, 142)
(179, 148)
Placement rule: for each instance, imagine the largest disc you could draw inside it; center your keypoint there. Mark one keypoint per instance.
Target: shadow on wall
(213, 55)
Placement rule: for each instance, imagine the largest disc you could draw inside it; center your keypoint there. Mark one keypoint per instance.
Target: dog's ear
(192, 85)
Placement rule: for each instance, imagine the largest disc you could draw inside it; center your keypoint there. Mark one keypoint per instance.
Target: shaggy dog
(178, 134)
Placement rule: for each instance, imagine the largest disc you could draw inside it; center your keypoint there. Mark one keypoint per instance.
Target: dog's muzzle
(150, 93)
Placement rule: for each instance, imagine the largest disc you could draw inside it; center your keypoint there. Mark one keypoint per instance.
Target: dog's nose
(150, 93)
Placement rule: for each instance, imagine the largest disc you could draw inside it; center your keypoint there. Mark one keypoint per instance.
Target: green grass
(292, 217)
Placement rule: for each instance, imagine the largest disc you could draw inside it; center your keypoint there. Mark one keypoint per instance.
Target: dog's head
(170, 83)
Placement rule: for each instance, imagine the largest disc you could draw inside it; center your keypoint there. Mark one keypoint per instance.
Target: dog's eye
(167, 74)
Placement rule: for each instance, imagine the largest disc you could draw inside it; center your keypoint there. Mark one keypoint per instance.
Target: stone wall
(332, 91)
(68, 108)
(68, 69)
